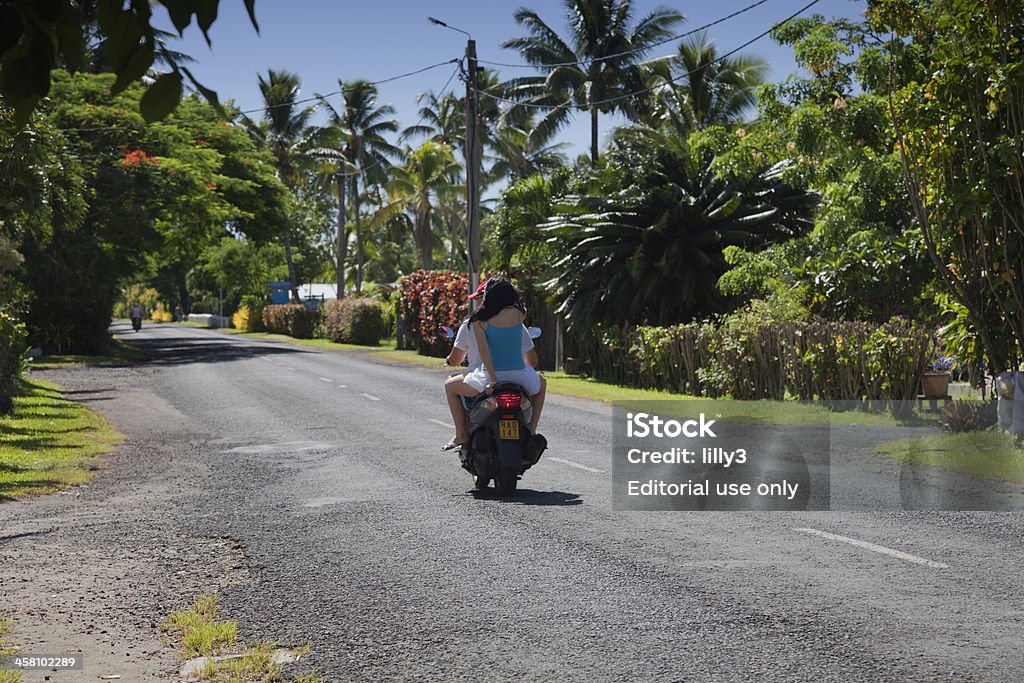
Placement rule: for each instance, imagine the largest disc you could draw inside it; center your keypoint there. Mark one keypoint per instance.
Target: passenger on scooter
(499, 350)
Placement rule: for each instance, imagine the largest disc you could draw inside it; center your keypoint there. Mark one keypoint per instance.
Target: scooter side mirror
(534, 332)
(448, 332)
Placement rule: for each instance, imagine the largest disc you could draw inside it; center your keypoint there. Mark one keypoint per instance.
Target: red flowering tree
(430, 300)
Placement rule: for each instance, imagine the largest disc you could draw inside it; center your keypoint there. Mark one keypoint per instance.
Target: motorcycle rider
(136, 315)
(499, 349)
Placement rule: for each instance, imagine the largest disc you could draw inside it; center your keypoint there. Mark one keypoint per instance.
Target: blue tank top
(506, 346)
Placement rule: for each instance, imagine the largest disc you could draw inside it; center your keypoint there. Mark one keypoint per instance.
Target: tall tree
(416, 187)
(440, 118)
(702, 89)
(285, 130)
(362, 125)
(443, 119)
(959, 120)
(123, 198)
(596, 68)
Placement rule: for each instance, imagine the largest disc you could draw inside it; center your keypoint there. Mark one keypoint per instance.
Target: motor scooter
(136, 323)
(500, 447)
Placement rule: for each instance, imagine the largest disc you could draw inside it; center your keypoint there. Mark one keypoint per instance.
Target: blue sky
(327, 40)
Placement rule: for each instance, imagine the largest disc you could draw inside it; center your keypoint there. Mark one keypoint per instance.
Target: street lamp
(474, 152)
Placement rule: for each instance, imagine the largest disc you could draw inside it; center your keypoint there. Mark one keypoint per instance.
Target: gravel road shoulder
(94, 569)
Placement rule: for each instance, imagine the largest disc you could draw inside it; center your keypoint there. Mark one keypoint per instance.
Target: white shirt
(466, 341)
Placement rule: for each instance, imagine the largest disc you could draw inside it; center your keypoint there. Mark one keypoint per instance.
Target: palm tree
(285, 131)
(642, 242)
(596, 68)
(424, 181)
(362, 125)
(442, 119)
(699, 89)
(518, 155)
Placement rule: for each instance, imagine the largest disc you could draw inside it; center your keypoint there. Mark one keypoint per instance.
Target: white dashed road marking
(570, 463)
(370, 396)
(324, 379)
(907, 557)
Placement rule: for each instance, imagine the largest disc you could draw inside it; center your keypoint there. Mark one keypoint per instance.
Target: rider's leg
(538, 403)
(454, 387)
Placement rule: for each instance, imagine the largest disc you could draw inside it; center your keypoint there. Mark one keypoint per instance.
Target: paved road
(323, 470)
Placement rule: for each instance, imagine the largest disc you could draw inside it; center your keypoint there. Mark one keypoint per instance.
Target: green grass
(5, 649)
(119, 353)
(199, 630)
(984, 455)
(202, 634)
(50, 442)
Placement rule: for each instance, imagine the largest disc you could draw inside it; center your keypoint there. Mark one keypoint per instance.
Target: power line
(362, 170)
(674, 79)
(628, 52)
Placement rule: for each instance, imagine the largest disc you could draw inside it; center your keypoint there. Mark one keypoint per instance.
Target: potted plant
(935, 382)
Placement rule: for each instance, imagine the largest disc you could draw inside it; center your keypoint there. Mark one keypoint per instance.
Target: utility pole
(474, 147)
(340, 242)
(474, 154)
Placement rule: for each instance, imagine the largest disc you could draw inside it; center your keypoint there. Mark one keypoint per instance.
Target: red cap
(479, 290)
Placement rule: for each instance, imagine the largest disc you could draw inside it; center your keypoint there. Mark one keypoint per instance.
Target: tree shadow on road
(187, 350)
(531, 497)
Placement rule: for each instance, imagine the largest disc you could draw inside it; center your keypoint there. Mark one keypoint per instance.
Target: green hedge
(808, 360)
(12, 358)
(292, 319)
(354, 321)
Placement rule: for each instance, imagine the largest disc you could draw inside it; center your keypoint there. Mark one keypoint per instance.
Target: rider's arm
(485, 351)
(456, 356)
(529, 350)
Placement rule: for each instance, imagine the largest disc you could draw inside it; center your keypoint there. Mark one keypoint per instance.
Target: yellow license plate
(508, 429)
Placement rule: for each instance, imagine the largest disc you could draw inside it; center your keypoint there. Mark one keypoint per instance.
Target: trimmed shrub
(13, 346)
(294, 320)
(431, 299)
(746, 358)
(354, 321)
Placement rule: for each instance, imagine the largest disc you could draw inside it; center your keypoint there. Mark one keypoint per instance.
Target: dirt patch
(94, 569)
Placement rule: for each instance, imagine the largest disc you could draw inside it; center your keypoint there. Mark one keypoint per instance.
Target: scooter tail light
(508, 400)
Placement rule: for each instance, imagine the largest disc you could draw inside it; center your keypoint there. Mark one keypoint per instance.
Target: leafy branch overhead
(37, 36)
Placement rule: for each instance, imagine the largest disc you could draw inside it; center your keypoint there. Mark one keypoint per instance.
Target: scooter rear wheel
(505, 483)
(481, 483)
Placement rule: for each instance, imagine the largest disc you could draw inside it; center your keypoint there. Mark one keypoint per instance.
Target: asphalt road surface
(321, 472)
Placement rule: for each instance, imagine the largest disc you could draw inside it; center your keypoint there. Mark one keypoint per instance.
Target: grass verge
(769, 412)
(984, 455)
(119, 353)
(49, 442)
(202, 634)
(5, 649)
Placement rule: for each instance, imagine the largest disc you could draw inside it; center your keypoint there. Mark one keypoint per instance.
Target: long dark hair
(498, 294)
